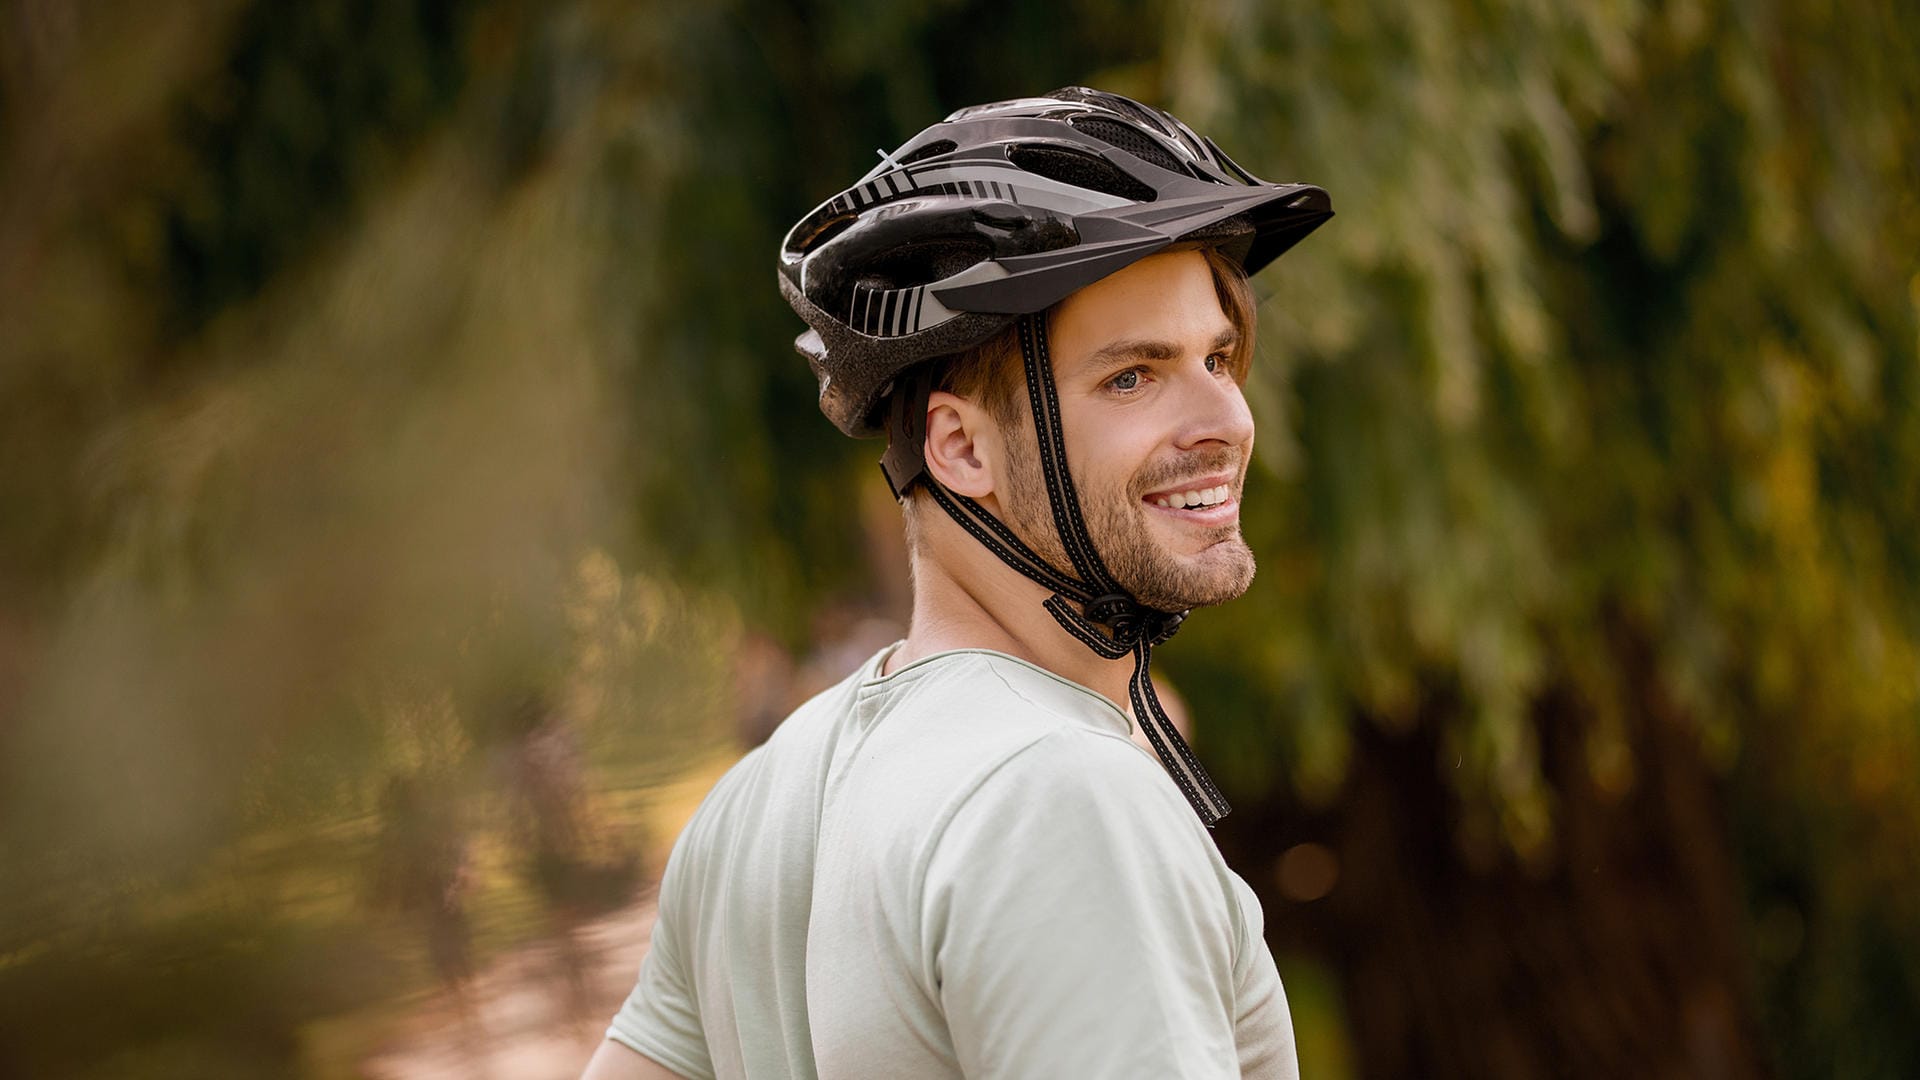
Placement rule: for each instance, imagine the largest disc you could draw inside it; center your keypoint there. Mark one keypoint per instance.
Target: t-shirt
(965, 868)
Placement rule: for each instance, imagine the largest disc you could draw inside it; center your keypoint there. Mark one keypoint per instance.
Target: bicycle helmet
(1002, 210)
(986, 220)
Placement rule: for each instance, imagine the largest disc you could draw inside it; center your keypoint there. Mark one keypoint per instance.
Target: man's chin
(1221, 573)
(1229, 585)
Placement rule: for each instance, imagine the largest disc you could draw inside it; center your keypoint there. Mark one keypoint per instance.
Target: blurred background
(410, 502)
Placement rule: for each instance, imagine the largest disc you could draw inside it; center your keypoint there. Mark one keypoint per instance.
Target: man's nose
(1215, 410)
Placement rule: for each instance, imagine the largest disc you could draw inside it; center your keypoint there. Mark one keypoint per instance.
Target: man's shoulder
(993, 689)
(1073, 772)
(1023, 748)
(958, 717)
(943, 732)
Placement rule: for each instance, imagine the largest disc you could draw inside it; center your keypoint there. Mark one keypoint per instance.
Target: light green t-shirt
(965, 868)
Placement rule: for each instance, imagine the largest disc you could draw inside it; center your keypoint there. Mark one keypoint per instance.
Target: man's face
(1158, 434)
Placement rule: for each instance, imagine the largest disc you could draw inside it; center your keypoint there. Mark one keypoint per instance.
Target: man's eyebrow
(1114, 352)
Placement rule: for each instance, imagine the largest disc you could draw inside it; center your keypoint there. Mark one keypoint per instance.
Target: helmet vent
(1081, 170)
(924, 262)
(1128, 139)
(932, 149)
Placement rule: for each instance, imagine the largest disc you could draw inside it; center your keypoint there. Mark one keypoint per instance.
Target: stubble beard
(1118, 525)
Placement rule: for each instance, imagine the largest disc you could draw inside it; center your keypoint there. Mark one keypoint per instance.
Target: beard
(1117, 523)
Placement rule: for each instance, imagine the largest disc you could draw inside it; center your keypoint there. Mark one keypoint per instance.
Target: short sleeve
(661, 1017)
(1078, 923)
(1262, 1023)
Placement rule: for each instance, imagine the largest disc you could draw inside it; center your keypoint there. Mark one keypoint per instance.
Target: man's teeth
(1187, 500)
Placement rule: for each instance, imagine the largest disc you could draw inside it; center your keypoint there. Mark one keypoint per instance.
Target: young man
(956, 863)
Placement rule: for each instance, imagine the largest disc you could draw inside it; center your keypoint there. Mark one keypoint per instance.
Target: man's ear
(961, 443)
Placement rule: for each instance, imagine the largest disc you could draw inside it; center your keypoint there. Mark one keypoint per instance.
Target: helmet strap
(1089, 604)
(905, 461)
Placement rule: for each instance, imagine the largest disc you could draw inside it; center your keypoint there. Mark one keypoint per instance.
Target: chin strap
(1109, 621)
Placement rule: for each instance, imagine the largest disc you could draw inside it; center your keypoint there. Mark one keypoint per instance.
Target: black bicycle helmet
(1002, 210)
(983, 221)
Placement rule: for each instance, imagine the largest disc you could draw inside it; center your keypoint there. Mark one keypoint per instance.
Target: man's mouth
(1207, 501)
(1195, 499)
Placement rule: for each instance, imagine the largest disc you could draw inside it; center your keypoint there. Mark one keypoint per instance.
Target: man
(956, 862)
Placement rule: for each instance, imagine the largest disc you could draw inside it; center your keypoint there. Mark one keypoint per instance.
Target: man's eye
(1216, 362)
(1126, 380)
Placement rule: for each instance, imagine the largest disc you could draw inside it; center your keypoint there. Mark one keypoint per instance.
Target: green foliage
(1615, 337)
(770, 109)
(313, 101)
(368, 367)
(294, 536)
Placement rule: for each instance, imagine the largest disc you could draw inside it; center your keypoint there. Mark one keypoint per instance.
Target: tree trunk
(1620, 957)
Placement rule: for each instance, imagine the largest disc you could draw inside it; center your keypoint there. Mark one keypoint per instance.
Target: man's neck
(964, 597)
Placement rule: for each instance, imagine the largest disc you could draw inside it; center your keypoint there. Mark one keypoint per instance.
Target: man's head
(1004, 210)
(1095, 229)
(1148, 363)
(1088, 216)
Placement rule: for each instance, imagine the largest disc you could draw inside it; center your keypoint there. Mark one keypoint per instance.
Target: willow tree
(314, 581)
(1590, 448)
(1571, 721)
(1578, 681)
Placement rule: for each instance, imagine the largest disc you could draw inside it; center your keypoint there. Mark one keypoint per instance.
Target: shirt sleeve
(1077, 922)
(661, 1017)
(1262, 1023)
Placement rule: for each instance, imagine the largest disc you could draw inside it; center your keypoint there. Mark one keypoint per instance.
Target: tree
(367, 364)
(1591, 526)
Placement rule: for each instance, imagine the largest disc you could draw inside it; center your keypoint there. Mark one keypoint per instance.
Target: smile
(1200, 499)
(1209, 503)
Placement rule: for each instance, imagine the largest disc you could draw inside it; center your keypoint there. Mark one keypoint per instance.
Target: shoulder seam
(994, 666)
